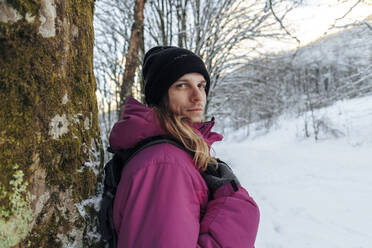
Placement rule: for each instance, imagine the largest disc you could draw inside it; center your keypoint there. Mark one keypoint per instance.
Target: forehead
(193, 76)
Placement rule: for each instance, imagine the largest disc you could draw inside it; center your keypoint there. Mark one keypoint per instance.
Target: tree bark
(132, 61)
(50, 147)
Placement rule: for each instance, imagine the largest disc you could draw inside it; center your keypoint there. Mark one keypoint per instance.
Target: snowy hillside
(311, 194)
(342, 48)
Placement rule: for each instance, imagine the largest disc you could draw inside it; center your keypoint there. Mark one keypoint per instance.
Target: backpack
(112, 175)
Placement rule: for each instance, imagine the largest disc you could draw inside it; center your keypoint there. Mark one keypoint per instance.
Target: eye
(202, 85)
(180, 85)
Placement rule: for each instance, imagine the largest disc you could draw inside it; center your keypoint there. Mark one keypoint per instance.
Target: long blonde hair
(178, 127)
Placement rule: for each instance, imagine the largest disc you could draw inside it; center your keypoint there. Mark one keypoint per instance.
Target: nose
(197, 94)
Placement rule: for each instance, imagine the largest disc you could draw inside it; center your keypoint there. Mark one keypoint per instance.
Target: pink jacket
(162, 200)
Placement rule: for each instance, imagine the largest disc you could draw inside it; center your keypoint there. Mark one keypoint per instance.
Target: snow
(47, 18)
(8, 14)
(338, 49)
(310, 193)
(65, 99)
(58, 126)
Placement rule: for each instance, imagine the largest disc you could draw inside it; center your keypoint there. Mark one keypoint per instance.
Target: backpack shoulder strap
(143, 144)
(121, 157)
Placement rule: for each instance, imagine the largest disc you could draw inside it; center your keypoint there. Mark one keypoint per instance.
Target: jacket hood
(139, 122)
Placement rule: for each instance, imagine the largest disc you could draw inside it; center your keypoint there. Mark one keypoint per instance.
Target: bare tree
(132, 61)
(215, 30)
(354, 5)
(112, 22)
(334, 68)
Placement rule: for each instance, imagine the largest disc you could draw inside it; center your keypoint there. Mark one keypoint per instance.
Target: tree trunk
(181, 19)
(49, 133)
(132, 61)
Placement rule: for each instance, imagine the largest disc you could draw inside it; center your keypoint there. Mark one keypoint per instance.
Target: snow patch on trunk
(72, 239)
(29, 18)
(58, 126)
(8, 14)
(48, 15)
(65, 99)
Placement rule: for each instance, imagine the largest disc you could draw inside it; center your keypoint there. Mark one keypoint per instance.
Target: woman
(162, 199)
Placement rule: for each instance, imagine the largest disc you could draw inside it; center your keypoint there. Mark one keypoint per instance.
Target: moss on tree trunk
(50, 150)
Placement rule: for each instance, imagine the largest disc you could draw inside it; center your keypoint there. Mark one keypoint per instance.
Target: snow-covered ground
(311, 193)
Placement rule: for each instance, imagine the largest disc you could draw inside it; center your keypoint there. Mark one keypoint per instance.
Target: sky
(314, 18)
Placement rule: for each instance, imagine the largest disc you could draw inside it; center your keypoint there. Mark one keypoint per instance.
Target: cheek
(204, 97)
(177, 103)
(173, 101)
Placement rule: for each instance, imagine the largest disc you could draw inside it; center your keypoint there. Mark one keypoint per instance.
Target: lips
(195, 109)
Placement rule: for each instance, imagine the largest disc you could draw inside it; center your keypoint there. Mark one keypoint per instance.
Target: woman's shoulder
(164, 164)
(161, 154)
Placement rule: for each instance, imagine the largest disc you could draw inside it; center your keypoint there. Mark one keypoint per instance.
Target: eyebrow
(186, 80)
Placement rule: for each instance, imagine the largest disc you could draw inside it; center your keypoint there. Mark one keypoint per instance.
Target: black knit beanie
(163, 65)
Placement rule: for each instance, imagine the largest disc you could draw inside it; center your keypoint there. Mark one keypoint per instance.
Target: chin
(195, 119)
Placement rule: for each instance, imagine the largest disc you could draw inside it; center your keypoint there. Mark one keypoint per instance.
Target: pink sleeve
(231, 219)
(163, 210)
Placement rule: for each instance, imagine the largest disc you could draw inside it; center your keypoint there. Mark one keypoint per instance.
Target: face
(187, 96)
